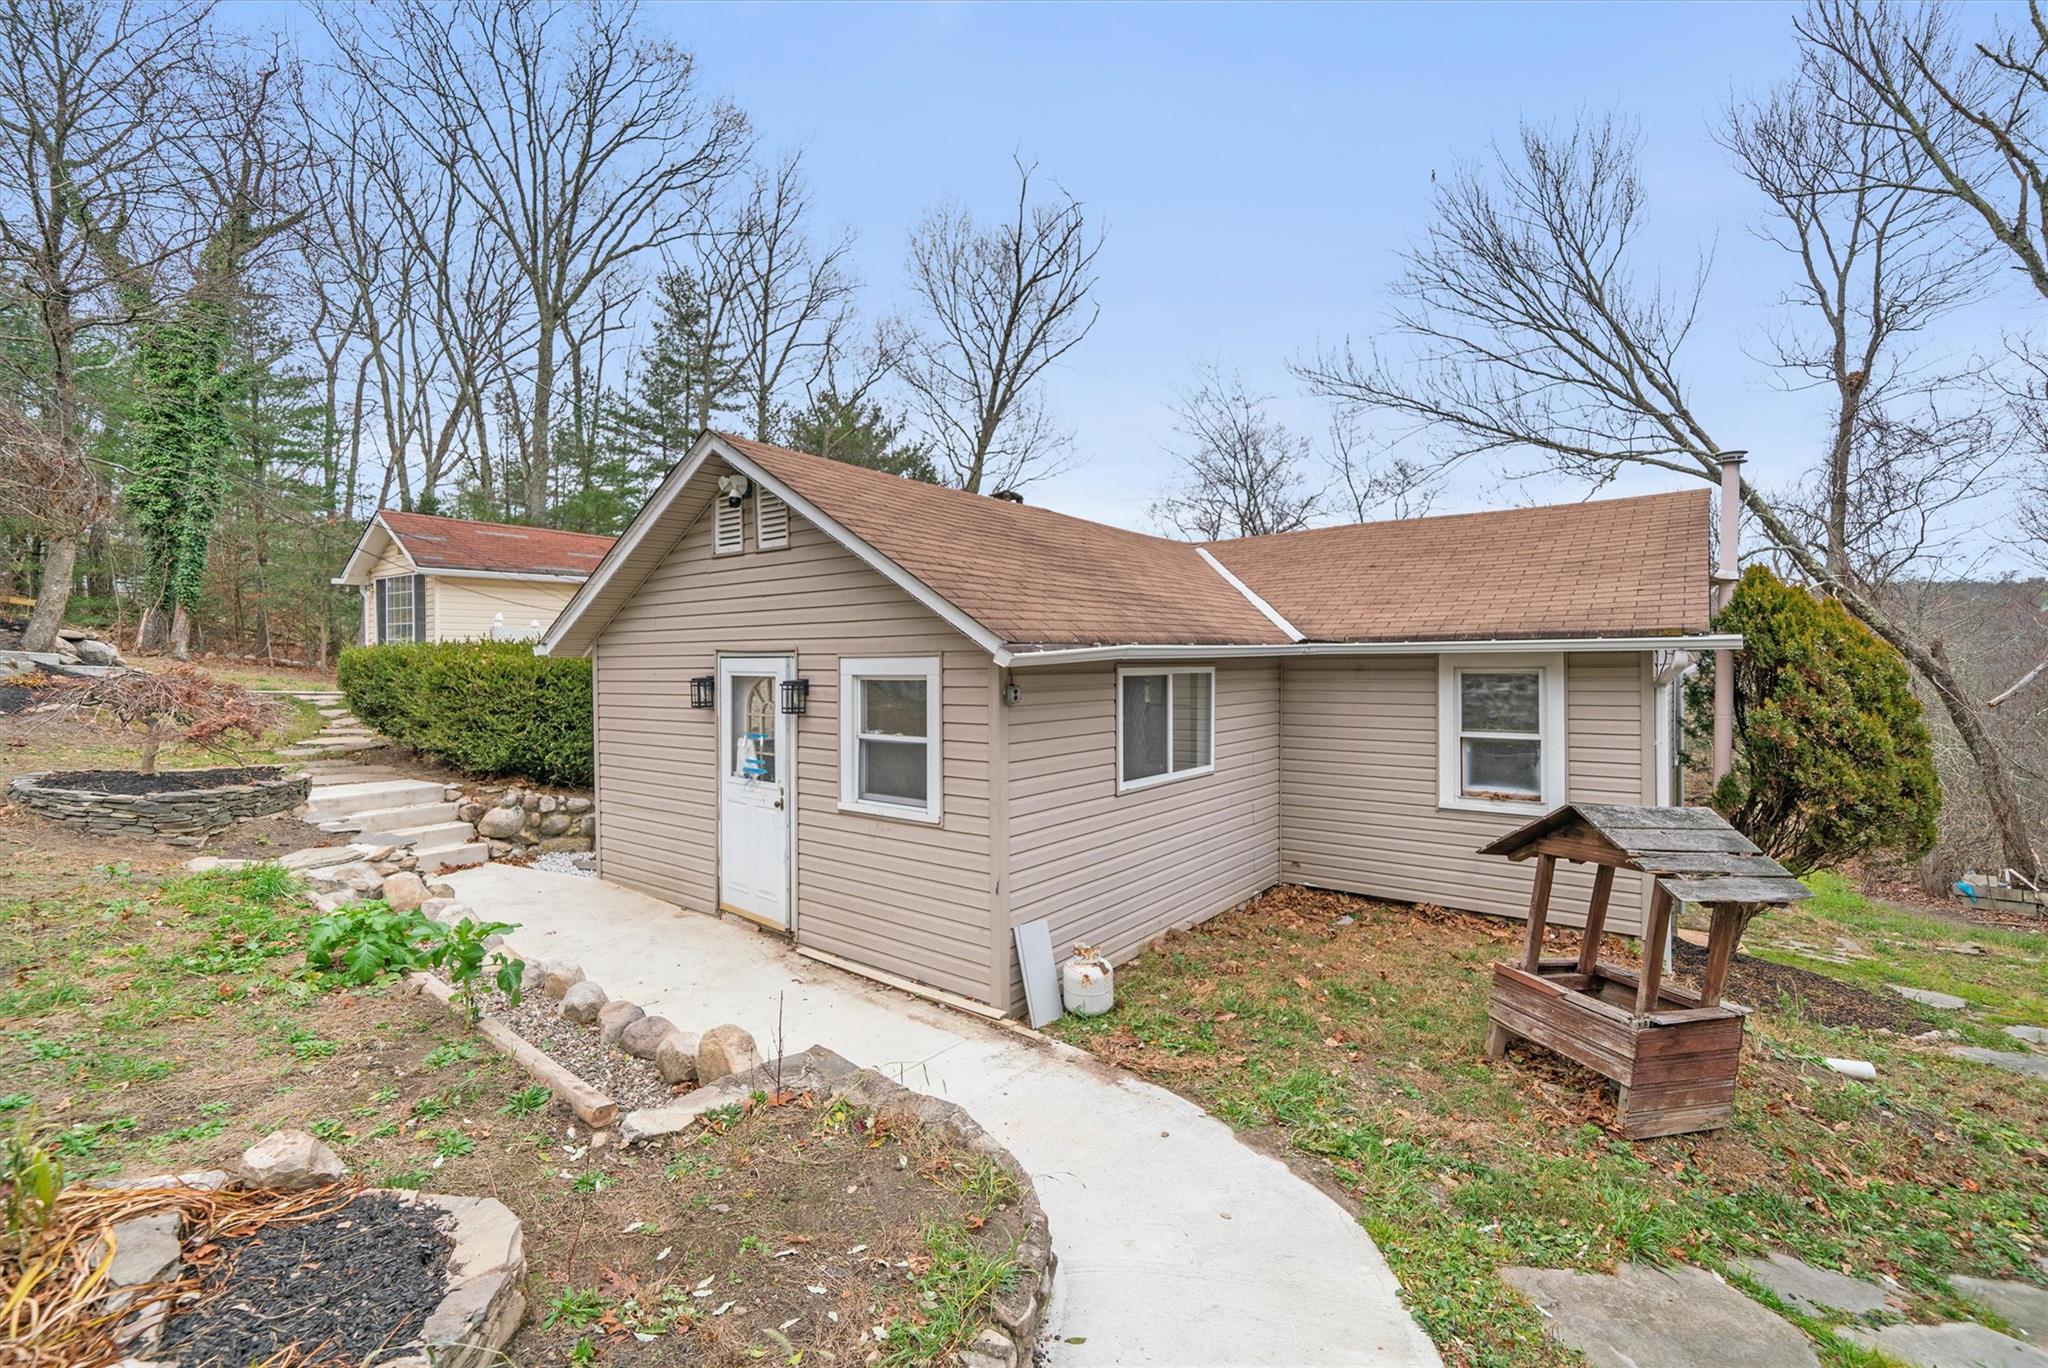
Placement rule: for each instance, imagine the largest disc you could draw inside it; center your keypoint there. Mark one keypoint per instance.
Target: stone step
(432, 836)
(345, 800)
(452, 857)
(344, 748)
(411, 817)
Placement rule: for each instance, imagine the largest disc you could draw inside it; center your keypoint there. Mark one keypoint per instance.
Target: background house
(425, 578)
(1008, 713)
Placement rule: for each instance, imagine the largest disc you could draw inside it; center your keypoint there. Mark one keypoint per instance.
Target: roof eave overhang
(541, 575)
(349, 572)
(1024, 658)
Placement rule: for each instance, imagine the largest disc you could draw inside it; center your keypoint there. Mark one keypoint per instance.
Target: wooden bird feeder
(1673, 1052)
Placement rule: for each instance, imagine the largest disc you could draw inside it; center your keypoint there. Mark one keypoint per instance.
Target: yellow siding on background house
(1359, 783)
(907, 898)
(461, 607)
(1115, 869)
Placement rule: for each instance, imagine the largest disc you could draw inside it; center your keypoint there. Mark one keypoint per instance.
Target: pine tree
(1832, 753)
(858, 433)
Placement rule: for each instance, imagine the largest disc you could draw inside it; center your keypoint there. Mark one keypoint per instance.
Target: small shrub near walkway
(1349, 1032)
(488, 707)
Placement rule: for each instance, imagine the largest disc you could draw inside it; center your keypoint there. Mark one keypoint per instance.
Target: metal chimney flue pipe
(1724, 590)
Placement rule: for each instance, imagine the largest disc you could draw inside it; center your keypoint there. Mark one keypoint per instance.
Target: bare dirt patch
(132, 782)
(1828, 1002)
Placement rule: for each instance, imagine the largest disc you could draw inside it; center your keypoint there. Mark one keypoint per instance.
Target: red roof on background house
(494, 548)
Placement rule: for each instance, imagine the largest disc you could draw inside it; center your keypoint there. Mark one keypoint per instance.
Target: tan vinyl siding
(906, 898)
(1359, 783)
(1116, 869)
(461, 607)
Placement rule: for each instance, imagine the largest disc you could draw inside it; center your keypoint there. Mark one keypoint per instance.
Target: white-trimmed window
(1165, 725)
(398, 608)
(1500, 732)
(889, 745)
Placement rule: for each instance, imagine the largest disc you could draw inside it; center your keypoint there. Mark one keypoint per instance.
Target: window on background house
(1501, 733)
(398, 608)
(1166, 725)
(889, 743)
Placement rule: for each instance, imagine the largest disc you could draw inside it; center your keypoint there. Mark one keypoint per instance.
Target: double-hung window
(1501, 732)
(398, 608)
(889, 744)
(1165, 724)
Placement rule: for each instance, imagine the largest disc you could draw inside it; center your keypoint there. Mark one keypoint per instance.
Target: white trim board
(1253, 599)
(1082, 655)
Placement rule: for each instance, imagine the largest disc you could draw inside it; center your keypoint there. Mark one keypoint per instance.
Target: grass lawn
(1347, 1034)
(153, 1021)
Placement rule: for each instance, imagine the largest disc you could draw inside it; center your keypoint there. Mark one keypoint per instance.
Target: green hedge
(489, 707)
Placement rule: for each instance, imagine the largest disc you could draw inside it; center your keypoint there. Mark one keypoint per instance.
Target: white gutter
(1249, 597)
(1082, 655)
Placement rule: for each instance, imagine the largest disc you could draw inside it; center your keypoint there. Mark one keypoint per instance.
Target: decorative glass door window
(1500, 735)
(752, 719)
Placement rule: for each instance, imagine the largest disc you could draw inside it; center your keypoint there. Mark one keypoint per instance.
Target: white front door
(756, 788)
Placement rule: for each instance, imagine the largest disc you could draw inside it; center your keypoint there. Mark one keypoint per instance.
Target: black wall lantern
(704, 691)
(796, 696)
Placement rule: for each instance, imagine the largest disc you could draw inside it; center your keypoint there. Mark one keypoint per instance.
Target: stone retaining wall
(520, 819)
(183, 812)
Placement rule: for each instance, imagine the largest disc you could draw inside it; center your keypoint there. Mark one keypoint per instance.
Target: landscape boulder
(288, 1160)
(583, 1002)
(616, 1018)
(501, 823)
(640, 1037)
(724, 1051)
(556, 978)
(404, 892)
(96, 652)
(675, 1056)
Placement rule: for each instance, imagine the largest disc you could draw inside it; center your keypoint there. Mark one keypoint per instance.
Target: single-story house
(896, 720)
(426, 578)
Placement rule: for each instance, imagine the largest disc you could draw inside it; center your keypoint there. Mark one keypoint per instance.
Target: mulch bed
(339, 1289)
(131, 782)
(1829, 1002)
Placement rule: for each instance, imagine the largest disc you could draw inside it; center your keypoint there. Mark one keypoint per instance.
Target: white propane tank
(1087, 983)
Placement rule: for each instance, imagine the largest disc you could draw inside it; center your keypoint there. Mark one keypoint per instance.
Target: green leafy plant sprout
(576, 1307)
(471, 964)
(31, 1177)
(527, 1101)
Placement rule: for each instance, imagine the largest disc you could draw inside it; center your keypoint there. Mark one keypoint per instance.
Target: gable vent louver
(728, 529)
(771, 521)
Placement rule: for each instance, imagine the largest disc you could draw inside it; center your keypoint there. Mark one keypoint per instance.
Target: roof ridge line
(1272, 614)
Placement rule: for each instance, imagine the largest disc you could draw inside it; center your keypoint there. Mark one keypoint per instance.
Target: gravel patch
(565, 862)
(632, 1083)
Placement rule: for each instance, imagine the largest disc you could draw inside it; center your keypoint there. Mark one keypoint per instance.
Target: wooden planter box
(1676, 1065)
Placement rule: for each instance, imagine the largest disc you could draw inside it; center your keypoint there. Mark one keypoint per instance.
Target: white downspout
(1724, 590)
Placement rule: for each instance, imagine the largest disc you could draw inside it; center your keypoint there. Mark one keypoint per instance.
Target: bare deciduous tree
(90, 100)
(1001, 304)
(1531, 335)
(580, 140)
(1243, 473)
(790, 295)
(1379, 484)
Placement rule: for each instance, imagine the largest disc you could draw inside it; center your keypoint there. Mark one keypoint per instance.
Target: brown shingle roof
(499, 548)
(1028, 574)
(1618, 567)
(1613, 567)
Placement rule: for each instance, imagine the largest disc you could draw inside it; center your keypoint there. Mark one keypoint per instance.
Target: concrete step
(378, 821)
(433, 836)
(311, 751)
(451, 857)
(344, 800)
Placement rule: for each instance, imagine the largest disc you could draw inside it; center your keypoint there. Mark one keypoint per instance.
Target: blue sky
(1257, 167)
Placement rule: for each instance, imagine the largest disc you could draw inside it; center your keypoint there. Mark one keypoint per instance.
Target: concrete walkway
(1177, 1243)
